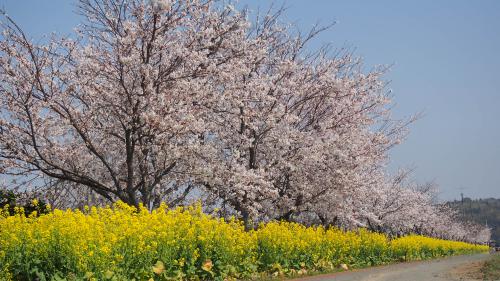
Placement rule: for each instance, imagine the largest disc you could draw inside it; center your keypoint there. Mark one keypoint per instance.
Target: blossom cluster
(179, 101)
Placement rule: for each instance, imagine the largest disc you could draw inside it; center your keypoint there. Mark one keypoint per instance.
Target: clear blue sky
(446, 57)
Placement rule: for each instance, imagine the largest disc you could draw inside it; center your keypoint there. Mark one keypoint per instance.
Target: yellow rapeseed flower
(125, 243)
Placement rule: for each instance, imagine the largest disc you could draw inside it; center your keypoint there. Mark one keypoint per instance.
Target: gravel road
(447, 269)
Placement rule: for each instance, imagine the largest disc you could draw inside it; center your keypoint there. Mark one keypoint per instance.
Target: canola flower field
(124, 243)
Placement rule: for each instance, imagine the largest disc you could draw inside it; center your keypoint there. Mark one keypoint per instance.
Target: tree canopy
(173, 101)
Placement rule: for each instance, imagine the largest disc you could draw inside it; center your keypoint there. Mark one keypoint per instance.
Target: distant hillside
(481, 211)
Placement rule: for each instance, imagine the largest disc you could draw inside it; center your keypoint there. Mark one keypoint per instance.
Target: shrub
(10, 204)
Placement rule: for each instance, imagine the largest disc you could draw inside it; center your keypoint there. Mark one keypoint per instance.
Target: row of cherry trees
(176, 101)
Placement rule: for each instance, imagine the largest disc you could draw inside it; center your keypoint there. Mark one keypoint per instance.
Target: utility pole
(462, 194)
(462, 200)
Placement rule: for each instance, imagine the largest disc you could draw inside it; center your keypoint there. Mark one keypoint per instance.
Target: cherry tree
(295, 130)
(153, 101)
(118, 108)
(401, 207)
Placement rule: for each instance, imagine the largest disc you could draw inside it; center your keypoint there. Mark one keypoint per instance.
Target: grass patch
(491, 268)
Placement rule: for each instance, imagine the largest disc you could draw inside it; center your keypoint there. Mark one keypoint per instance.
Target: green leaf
(159, 268)
(108, 274)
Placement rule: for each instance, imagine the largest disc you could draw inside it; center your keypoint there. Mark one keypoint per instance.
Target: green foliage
(491, 269)
(8, 201)
(10, 205)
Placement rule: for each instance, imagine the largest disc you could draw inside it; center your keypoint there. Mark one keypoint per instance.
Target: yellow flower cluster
(123, 243)
(415, 247)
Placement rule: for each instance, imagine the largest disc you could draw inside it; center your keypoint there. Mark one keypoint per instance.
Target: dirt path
(447, 269)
